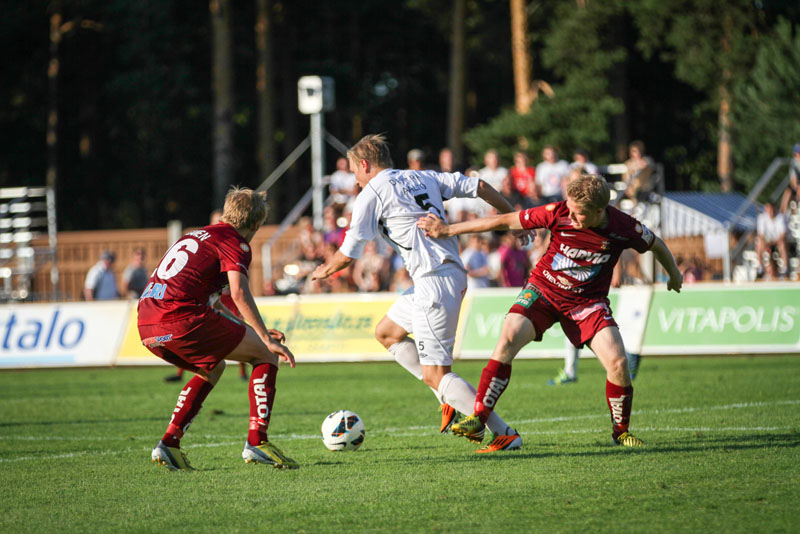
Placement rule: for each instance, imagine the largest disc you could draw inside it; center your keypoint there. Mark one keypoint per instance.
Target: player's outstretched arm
(246, 304)
(337, 262)
(491, 196)
(667, 261)
(436, 227)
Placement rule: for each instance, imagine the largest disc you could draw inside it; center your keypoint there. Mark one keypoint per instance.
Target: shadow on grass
(536, 451)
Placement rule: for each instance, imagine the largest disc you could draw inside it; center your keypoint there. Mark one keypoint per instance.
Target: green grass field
(722, 453)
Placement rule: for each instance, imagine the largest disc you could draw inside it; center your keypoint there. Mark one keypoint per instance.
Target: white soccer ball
(343, 431)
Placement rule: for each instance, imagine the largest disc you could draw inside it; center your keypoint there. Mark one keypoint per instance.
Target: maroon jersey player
(177, 324)
(570, 285)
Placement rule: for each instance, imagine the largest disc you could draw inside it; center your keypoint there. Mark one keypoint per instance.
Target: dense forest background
(117, 102)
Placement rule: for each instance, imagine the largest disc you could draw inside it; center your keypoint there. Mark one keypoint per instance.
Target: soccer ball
(343, 431)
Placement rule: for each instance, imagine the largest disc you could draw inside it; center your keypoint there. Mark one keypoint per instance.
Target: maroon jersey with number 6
(578, 264)
(194, 268)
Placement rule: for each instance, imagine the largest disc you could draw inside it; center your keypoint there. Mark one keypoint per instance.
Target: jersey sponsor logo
(566, 266)
(581, 313)
(260, 394)
(496, 387)
(552, 279)
(156, 341)
(244, 246)
(154, 291)
(617, 405)
(596, 258)
(526, 298)
(565, 234)
(408, 184)
(564, 281)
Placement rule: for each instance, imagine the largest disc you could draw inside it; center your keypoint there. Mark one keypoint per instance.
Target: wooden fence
(78, 251)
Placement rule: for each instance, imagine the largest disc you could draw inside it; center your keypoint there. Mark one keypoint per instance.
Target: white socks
(405, 352)
(571, 361)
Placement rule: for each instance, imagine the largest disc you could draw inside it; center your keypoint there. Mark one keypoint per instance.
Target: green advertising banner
(742, 319)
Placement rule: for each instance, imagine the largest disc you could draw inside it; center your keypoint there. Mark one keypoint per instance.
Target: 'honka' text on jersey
(587, 255)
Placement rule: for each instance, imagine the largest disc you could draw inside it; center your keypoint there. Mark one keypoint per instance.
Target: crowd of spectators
(491, 260)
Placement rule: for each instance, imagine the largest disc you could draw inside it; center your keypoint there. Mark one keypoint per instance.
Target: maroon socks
(494, 380)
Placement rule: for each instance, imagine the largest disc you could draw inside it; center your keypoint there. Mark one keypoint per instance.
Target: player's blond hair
(374, 149)
(244, 208)
(590, 191)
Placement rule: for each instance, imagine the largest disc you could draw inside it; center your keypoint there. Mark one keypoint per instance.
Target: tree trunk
(222, 85)
(265, 95)
(521, 56)
(455, 122)
(724, 157)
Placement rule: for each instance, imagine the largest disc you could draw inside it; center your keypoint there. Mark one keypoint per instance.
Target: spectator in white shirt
(771, 232)
(101, 282)
(550, 174)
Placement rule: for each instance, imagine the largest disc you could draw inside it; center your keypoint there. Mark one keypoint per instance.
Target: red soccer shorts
(580, 323)
(199, 342)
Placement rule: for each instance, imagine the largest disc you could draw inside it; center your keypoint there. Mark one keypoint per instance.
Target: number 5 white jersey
(390, 205)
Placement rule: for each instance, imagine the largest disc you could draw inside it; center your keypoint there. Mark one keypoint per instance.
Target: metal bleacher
(27, 240)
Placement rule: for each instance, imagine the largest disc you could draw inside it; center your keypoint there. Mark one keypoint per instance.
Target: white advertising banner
(55, 335)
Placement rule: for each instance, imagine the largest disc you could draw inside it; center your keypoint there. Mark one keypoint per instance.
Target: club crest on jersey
(550, 207)
(638, 228)
(526, 298)
(244, 246)
(605, 244)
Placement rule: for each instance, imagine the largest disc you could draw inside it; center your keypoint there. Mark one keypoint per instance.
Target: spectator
(771, 233)
(580, 160)
(511, 194)
(401, 281)
(639, 175)
(333, 232)
(101, 282)
(550, 174)
(523, 178)
(446, 163)
(416, 159)
(492, 173)
(371, 270)
(342, 183)
(514, 262)
(792, 193)
(476, 262)
(135, 276)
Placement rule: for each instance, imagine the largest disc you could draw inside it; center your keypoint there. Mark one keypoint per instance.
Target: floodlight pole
(317, 159)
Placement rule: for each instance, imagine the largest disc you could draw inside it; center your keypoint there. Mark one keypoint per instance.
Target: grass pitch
(722, 453)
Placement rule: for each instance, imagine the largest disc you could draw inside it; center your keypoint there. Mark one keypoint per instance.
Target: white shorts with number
(430, 310)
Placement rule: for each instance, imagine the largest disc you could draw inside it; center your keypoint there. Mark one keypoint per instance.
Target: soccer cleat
(170, 457)
(626, 439)
(502, 443)
(449, 416)
(470, 427)
(633, 364)
(173, 378)
(561, 379)
(269, 454)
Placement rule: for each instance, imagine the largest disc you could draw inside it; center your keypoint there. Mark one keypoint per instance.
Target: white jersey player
(389, 205)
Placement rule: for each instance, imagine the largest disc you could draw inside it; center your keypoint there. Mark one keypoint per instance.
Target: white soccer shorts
(430, 311)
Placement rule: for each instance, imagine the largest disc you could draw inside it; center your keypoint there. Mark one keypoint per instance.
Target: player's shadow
(700, 444)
